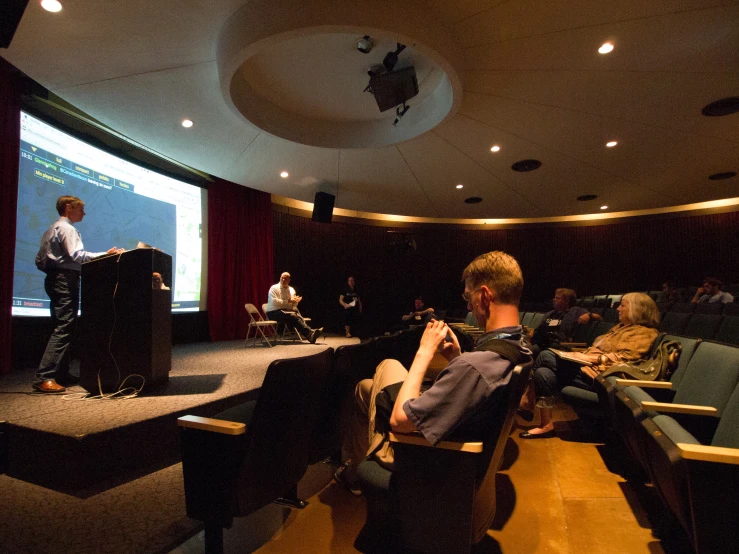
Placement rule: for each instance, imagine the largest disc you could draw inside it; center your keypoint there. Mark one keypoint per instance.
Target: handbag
(657, 368)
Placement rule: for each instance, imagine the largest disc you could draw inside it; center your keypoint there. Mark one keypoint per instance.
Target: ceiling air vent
(526, 165)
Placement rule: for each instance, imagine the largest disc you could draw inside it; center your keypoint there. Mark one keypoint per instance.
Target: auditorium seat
(251, 455)
(683, 307)
(713, 309)
(527, 317)
(588, 303)
(656, 295)
(663, 307)
(598, 328)
(537, 319)
(624, 403)
(610, 315)
(713, 484)
(615, 299)
(674, 322)
(702, 326)
(729, 330)
(605, 387)
(696, 484)
(602, 301)
(438, 499)
(351, 364)
(731, 308)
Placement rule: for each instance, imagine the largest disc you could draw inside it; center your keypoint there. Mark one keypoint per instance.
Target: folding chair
(287, 333)
(258, 323)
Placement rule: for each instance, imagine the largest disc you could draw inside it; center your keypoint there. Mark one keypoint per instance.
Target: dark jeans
(63, 288)
(551, 374)
(293, 320)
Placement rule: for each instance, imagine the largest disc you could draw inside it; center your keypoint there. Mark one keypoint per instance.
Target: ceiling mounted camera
(365, 44)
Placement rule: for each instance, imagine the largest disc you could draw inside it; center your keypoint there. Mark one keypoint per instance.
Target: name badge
(554, 322)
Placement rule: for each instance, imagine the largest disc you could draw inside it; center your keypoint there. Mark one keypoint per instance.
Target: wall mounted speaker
(11, 12)
(323, 207)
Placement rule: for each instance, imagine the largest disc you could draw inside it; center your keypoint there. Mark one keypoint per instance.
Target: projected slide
(124, 204)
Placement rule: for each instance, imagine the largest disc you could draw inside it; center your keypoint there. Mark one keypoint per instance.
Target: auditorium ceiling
(276, 87)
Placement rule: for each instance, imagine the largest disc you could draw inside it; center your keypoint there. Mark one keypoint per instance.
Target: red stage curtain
(239, 256)
(10, 133)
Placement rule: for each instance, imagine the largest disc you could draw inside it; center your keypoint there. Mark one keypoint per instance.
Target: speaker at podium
(126, 324)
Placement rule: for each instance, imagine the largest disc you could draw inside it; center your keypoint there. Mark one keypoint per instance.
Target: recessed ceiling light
(460, 186)
(473, 200)
(606, 48)
(611, 144)
(586, 197)
(495, 148)
(284, 175)
(604, 207)
(51, 5)
(187, 123)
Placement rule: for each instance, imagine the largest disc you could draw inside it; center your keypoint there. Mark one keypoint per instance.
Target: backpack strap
(505, 349)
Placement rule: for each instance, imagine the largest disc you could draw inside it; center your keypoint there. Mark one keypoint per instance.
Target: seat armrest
(213, 425)
(644, 384)
(418, 439)
(704, 453)
(667, 407)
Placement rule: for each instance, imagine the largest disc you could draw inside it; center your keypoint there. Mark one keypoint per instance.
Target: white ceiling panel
(533, 83)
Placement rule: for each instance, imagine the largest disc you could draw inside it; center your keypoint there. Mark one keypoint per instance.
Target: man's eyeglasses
(467, 296)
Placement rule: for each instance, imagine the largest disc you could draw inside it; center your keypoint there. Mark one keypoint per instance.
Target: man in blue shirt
(61, 256)
(463, 396)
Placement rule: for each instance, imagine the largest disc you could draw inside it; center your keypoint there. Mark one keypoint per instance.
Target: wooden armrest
(419, 440)
(678, 408)
(212, 425)
(703, 453)
(574, 344)
(644, 384)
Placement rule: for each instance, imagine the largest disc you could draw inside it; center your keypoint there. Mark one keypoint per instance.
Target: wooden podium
(126, 326)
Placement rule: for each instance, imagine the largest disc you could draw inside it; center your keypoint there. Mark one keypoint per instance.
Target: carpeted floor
(146, 515)
(201, 373)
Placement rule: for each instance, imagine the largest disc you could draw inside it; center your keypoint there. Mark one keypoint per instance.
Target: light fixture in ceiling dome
(295, 74)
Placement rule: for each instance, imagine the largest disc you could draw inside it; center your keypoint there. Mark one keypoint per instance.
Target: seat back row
(722, 328)
(688, 445)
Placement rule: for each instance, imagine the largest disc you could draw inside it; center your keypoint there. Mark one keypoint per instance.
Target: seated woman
(629, 341)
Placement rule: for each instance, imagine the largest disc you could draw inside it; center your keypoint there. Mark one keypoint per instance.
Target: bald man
(282, 307)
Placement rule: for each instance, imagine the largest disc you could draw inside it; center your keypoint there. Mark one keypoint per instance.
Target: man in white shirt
(282, 307)
(61, 256)
(711, 293)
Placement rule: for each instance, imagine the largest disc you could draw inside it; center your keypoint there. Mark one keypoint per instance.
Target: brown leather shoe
(49, 386)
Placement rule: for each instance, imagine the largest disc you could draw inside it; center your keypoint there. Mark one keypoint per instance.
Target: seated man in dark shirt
(463, 395)
(560, 323)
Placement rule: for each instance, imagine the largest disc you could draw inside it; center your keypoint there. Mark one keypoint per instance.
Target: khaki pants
(363, 440)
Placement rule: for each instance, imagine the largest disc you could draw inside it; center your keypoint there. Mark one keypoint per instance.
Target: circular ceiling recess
(294, 69)
(473, 200)
(526, 165)
(725, 106)
(586, 197)
(720, 176)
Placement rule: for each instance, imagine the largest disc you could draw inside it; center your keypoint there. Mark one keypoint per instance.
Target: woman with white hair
(629, 341)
